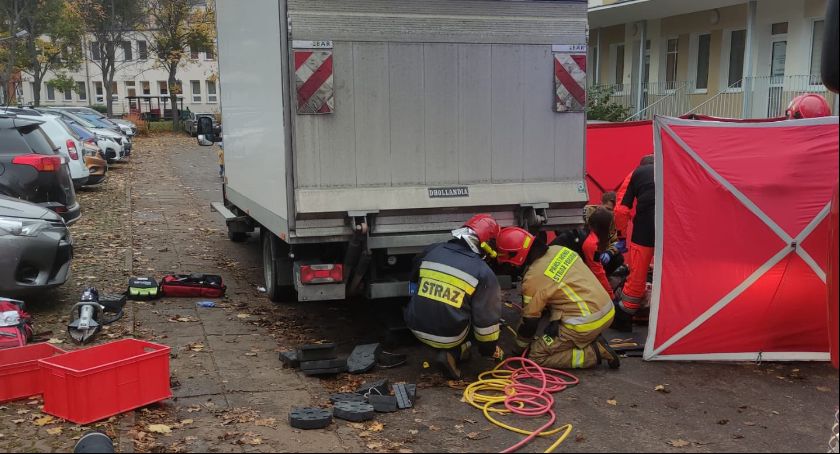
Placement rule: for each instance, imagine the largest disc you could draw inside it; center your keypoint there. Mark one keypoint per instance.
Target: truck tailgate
(436, 104)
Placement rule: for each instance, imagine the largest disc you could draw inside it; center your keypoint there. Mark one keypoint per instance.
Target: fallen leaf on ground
(375, 426)
(18, 421)
(413, 431)
(268, 422)
(471, 421)
(185, 422)
(405, 451)
(680, 443)
(474, 436)
(250, 354)
(252, 441)
(183, 319)
(243, 315)
(375, 445)
(22, 412)
(612, 402)
(54, 431)
(823, 389)
(55, 340)
(159, 428)
(434, 428)
(43, 421)
(662, 389)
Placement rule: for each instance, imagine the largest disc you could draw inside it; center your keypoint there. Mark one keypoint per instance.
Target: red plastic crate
(99, 382)
(19, 371)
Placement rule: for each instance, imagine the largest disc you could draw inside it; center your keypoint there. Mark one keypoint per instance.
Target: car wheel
(277, 269)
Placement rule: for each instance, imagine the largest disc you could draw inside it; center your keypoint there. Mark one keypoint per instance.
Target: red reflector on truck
(321, 274)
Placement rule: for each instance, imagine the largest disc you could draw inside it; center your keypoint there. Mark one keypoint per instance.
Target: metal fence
(770, 97)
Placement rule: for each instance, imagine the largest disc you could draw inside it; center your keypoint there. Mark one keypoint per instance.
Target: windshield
(98, 122)
(37, 139)
(80, 130)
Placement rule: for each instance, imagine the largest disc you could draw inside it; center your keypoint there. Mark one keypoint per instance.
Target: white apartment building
(730, 58)
(137, 75)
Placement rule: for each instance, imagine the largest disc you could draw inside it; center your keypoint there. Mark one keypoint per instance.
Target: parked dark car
(31, 168)
(35, 248)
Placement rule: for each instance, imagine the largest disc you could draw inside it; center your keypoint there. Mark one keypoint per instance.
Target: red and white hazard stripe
(569, 82)
(314, 81)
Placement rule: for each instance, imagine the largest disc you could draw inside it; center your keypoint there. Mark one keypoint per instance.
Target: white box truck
(356, 132)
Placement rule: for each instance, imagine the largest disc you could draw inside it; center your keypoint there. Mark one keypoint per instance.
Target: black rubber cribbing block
(411, 389)
(323, 364)
(290, 359)
(383, 404)
(363, 358)
(308, 418)
(374, 387)
(401, 393)
(316, 352)
(324, 367)
(353, 411)
(346, 397)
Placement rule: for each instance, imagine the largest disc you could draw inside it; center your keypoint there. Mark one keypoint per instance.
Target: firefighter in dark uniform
(456, 296)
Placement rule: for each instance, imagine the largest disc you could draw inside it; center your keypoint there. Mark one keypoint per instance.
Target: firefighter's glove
(605, 258)
(621, 245)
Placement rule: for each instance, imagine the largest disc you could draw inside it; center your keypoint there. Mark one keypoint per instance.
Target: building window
(211, 91)
(816, 52)
(618, 60)
(50, 93)
(163, 87)
(196, 90)
(193, 53)
(130, 88)
(95, 55)
(68, 94)
(126, 45)
(142, 50)
(673, 51)
(146, 87)
(737, 46)
(209, 53)
(703, 52)
(81, 89)
(779, 28)
(97, 89)
(114, 92)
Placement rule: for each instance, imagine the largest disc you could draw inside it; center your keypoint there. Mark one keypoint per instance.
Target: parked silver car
(35, 248)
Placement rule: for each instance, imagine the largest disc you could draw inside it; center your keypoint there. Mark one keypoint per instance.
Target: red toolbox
(19, 371)
(98, 382)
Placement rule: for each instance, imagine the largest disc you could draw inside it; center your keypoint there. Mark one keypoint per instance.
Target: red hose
(530, 400)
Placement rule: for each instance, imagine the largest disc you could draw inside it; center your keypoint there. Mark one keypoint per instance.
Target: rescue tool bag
(196, 284)
(15, 325)
(143, 288)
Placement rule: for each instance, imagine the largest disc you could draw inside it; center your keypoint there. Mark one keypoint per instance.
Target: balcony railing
(770, 97)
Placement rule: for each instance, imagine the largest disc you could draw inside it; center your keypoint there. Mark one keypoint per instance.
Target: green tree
(601, 106)
(177, 27)
(53, 43)
(111, 23)
(11, 14)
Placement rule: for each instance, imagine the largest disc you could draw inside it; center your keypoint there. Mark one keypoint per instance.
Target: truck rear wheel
(277, 269)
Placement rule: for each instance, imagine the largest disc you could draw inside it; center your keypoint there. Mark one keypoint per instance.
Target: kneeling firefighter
(456, 296)
(557, 279)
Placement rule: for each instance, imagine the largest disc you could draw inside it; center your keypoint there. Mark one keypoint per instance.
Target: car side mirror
(204, 141)
(205, 125)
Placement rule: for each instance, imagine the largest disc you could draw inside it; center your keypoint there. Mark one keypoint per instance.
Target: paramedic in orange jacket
(641, 189)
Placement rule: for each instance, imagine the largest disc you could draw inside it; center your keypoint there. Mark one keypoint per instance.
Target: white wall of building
(138, 77)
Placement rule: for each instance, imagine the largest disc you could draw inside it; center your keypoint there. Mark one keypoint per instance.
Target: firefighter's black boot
(623, 320)
(448, 364)
(606, 353)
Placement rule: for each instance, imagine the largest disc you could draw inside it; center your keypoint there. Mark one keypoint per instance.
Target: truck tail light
(41, 163)
(321, 274)
(72, 151)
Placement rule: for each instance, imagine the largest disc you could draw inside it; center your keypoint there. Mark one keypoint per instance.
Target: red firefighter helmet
(513, 245)
(808, 106)
(484, 226)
